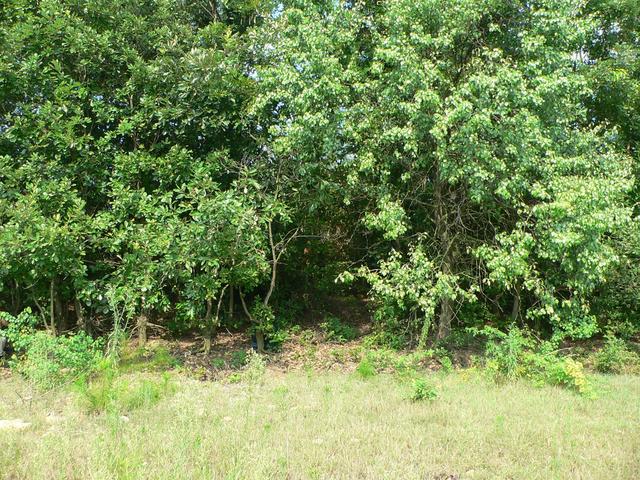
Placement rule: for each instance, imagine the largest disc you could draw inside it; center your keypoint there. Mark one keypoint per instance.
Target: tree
(456, 127)
(611, 65)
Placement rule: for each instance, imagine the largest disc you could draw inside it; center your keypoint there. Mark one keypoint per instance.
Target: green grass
(150, 358)
(332, 425)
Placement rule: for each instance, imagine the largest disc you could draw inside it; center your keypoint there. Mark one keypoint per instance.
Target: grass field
(329, 425)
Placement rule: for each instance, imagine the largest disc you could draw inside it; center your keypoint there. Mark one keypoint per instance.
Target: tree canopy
(459, 163)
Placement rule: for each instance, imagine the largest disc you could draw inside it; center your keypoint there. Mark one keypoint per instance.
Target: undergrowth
(46, 360)
(516, 354)
(110, 390)
(616, 357)
(337, 331)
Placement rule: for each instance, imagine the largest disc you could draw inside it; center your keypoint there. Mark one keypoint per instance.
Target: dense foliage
(192, 164)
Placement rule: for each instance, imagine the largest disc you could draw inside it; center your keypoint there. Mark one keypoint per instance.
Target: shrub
(569, 373)
(46, 360)
(515, 354)
(254, 369)
(505, 352)
(337, 331)
(422, 389)
(386, 338)
(238, 359)
(20, 329)
(50, 361)
(365, 368)
(218, 363)
(615, 357)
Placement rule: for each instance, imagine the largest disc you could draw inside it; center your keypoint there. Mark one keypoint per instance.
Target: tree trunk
(52, 306)
(15, 298)
(231, 306)
(143, 320)
(515, 310)
(208, 329)
(260, 341)
(212, 323)
(61, 313)
(274, 267)
(445, 318)
(213, 10)
(80, 318)
(259, 334)
(443, 225)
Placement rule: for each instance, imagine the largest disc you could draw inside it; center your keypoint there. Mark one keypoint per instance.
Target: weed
(443, 357)
(254, 369)
(280, 391)
(336, 331)
(238, 359)
(338, 354)
(306, 337)
(218, 363)
(198, 372)
(385, 339)
(570, 373)
(147, 359)
(277, 338)
(514, 355)
(111, 392)
(505, 352)
(366, 369)
(295, 330)
(615, 357)
(423, 389)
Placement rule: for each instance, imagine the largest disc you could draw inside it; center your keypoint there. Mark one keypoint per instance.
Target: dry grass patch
(332, 425)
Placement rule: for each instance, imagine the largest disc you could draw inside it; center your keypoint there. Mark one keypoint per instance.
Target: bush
(46, 360)
(254, 368)
(238, 359)
(337, 331)
(615, 357)
(515, 354)
(386, 338)
(50, 361)
(505, 352)
(422, 389)
(365, 368)
(569, 373)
